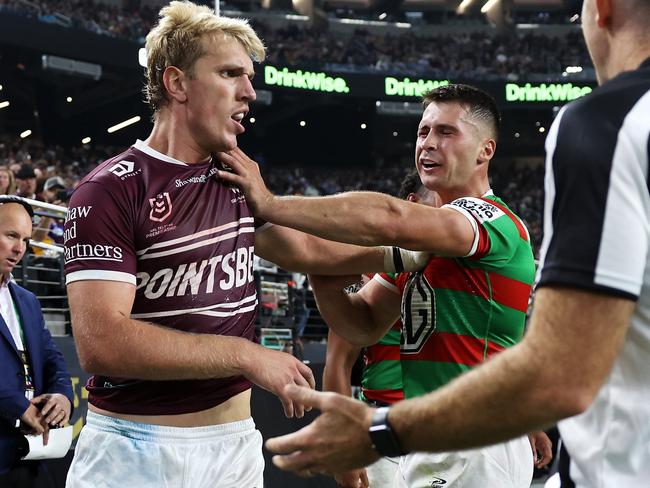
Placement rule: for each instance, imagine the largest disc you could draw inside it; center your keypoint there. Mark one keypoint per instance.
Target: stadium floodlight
(464, 5)
(68, 99)
(124, 124)
(86, 140)
(4, 104)
(0, 87)
(488, 6)
(573, 69)
(25, 133)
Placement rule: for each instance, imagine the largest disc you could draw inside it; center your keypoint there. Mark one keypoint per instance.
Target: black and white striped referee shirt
(597, 237)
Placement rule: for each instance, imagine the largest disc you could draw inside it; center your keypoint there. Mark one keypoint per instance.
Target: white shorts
(381, 474)
(506, 465)
(114, 453)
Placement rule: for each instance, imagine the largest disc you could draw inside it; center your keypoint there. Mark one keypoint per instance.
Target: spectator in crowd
(50, 228)
(36, 390)
(26, 182)
(7, 181)
(508, 55)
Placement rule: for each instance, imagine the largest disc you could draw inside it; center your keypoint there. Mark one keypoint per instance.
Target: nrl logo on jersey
(124, 169)
(161, 207)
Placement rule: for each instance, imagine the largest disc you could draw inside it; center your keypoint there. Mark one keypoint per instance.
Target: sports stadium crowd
(466, 55)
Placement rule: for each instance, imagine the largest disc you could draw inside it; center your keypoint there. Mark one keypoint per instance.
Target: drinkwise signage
(384, 87)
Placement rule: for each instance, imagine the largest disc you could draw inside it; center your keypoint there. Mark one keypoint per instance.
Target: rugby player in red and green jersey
(469, 302)
(381, 380)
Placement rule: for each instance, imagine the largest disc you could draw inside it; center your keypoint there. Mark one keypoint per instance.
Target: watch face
(382, 436)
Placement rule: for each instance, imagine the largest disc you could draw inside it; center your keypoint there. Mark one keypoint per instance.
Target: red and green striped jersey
(382, 373)
(458, 311)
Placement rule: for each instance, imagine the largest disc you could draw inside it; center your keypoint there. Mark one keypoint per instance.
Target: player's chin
(226, 144)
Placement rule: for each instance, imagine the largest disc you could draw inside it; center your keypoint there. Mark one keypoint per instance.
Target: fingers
(40, 398)
(307, 374)
(46, 434)
(299, 462)
(56, 417)
(289, 443)
(50, 405)
(287, 406)
(37, 427)
(364, 482)
(233, 161)
(305, 396)
(546, 456)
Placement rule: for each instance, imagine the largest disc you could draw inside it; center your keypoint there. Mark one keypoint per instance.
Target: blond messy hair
(176, 41)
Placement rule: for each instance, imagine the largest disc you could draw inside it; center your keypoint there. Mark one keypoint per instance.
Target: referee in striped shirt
(586, 356)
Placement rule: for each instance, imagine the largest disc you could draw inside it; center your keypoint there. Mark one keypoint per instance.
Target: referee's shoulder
(613, 100)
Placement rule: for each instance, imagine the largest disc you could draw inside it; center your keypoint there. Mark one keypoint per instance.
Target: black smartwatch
(383, 436)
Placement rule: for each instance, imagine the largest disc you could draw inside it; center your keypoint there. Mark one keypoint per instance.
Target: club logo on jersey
(482, 210)
(239, 196)
(437, 482)
(122, 168)
(161, 207)
(418, 313)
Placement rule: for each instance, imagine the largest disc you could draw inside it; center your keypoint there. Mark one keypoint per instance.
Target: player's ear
(603, 12)
(174, 80)
(487, 150)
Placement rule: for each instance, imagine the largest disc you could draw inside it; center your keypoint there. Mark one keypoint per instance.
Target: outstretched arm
(363, 218)
(297, 251)
(571, 331)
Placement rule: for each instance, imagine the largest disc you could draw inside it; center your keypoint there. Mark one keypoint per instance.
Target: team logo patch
(122, 168)
(161, 207)
(418, 313)
(437, 482)
(482, 210)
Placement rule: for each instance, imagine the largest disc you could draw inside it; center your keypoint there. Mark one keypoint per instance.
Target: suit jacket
(48, 370)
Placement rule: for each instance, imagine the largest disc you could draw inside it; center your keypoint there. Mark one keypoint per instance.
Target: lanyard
(24, 356)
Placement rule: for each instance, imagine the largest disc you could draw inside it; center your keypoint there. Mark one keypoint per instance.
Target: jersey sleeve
(596, 214)
(387, 280)
(496, 234)
(99, 242)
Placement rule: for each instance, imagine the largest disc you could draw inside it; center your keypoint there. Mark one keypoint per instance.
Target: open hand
(273, 370)
(336, 442)
(246, 175)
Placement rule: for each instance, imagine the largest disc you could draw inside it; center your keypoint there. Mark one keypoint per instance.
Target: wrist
(383, 436)
(244, 354)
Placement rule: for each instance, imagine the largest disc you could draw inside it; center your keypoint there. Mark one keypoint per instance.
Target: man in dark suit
(35, 387)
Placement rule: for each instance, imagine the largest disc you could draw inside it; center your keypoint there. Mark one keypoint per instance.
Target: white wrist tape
(398, 260)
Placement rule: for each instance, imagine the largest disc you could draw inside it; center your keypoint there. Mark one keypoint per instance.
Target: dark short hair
(410, 184)
(14, 199)
(479, 104)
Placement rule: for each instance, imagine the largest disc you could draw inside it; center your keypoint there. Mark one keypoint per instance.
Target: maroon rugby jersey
(185, 240)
